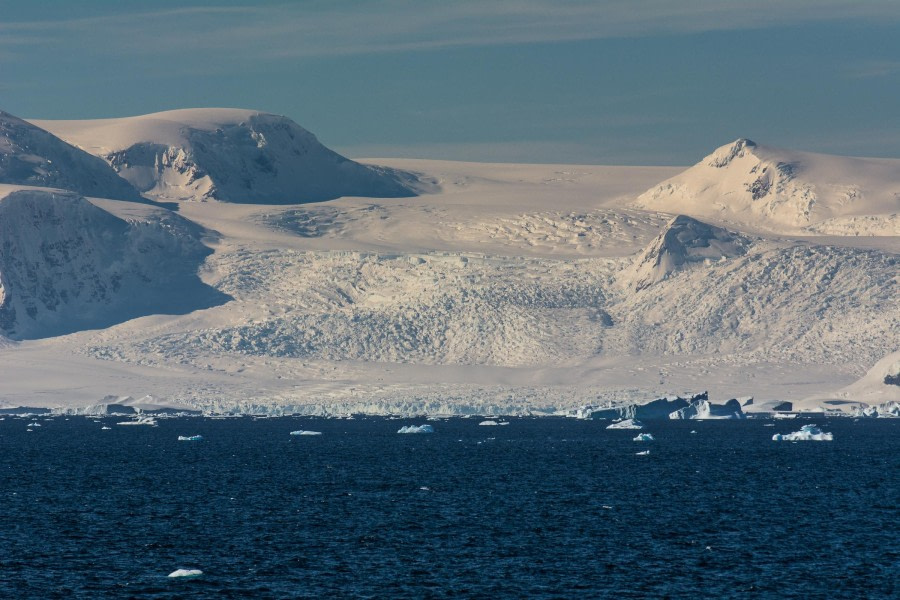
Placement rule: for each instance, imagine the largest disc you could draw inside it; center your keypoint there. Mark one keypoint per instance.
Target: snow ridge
(231, 156)
(34, 157)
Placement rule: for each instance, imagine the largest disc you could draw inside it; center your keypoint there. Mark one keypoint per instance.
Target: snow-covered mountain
(229, 155)
(68, 265)
(684, 241)
(786, 191)
(32, 156)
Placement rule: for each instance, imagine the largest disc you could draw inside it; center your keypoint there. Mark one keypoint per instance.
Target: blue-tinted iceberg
(190, 438)
(416, 429)
(644, 437)
(807, 433)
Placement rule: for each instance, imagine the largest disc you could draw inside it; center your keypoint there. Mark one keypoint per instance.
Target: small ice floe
(35, 424)
(105, 428)
(768, 424)
(416, 429)
(190, 438)
(626, 424)
(305, 432)
(693, 431)
(503, 423)
(644, 453)
(644, 437)
(488, 422)
(148, 421)
(807, 433)
(189, 573)
(784, 416)
(425, 488)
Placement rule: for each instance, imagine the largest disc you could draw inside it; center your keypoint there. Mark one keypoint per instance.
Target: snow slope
(34, 157)
(785, 191)
(229, 155)
(67, 265)
(511, 289)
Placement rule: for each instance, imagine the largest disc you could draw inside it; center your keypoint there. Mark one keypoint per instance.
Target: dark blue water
(549, 508)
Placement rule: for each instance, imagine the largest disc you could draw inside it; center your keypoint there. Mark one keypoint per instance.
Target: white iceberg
(807, 433)
(644, 437)
(186, 573)
(488, 422)
(105, 428)
(306, 432)
(644, 453)
(627, 424)
(190, 438)
(416, 429)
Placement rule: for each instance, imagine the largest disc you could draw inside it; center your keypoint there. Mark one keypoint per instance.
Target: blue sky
(604, 82)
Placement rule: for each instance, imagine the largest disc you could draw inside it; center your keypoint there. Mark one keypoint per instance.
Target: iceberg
(105, 428)
(416, 429)
(186, 573)
(190, 438)
(644, 437)
(807, 433)
(644, 453)
(306, 432)
(488, 422)
(627, 424)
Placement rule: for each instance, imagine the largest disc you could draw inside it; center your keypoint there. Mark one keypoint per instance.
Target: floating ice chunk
(306, 432)
(807, 433)
(186, 573)
(503, 423)
(644, 437)
(693, 431)
(105, 428)
(190, 438)
(644, 453)
(416, 429)
(779, 415)
(627, 424)
(488, 422)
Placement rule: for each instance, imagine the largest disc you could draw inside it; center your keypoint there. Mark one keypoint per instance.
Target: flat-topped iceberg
(488, 422)
(807, 433)
(627, 424)
(190, 438)
(416, 429)
(644, 437)
(306, 432)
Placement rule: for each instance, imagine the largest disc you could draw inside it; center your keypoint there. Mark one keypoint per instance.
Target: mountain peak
(684, 240)
(723, 156)
(230, 155)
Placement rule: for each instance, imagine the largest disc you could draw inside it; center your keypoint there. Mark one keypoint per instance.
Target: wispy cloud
(872, 69)
(306, 29)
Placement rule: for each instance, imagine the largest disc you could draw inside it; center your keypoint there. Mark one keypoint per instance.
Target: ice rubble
(807, 433)
(416, 429)
(644, 437)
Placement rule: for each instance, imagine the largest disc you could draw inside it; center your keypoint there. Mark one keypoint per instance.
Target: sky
(651, 82)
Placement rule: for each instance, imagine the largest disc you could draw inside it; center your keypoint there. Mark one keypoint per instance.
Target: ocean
(539, 508)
